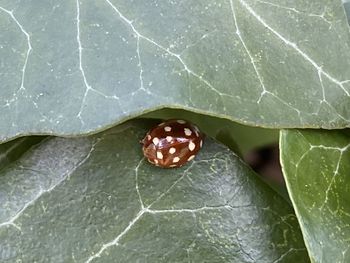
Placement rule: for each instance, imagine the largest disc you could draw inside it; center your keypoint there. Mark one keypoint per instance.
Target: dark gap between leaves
(265, 161)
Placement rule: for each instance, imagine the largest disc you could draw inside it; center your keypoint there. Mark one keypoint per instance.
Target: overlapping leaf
(95, 199)
(347, 9)
(316, 167)
(11, 151)
(240, 138)
(80, 66)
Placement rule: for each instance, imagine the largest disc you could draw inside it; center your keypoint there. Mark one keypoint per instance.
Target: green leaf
(316, 166)
(240, 138)
(347, 9)
(96, 199)
(83, 66)
(13, 150)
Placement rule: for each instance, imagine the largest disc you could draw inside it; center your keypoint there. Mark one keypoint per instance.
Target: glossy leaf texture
(316, 166)
(347, 9)
(13, 150)
(83, 66)
(95, 199)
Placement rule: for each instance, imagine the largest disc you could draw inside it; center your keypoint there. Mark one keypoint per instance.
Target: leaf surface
(316, 166)
(95, 199)
(240, 138)
(83, 66)
(347, 9)
(13, 150)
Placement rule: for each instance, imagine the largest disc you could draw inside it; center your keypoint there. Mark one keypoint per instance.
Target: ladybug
(172, 143)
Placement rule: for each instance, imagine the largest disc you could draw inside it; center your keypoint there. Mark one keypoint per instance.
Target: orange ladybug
(172, 143)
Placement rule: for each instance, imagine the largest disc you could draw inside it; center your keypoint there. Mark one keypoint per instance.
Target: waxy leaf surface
(96, 199)
(74, 67)
(316, 166)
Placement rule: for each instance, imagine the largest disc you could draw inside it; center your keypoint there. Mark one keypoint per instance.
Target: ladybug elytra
(172, 143)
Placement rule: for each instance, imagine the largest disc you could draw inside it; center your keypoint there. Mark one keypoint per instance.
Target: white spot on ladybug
(155, 140)
(159, 155)
(172, 143)
(190, 158)
(191, 146)
(172, 150)
(167, 128)
(188, 132)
